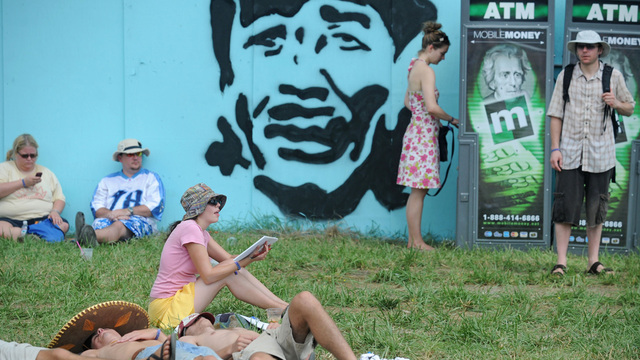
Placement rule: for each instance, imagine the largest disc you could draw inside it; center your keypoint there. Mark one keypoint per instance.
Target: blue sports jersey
(117, 191)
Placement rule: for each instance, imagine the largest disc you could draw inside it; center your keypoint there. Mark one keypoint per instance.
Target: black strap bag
(444, 151)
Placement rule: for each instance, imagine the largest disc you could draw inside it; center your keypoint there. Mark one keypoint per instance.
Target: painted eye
(270, 40)
(350, 42)
(270, 46)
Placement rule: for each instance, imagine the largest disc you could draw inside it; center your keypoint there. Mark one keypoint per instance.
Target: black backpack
(606, 87)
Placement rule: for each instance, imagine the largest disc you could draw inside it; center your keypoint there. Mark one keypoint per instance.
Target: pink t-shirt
(176, 268)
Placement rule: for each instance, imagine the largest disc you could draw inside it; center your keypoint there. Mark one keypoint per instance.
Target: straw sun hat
(129, 146)
(121, 316)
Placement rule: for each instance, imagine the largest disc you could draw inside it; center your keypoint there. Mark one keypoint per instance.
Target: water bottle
(23, 230)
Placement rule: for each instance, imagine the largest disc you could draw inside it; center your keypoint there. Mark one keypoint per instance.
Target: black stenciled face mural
(311, 79)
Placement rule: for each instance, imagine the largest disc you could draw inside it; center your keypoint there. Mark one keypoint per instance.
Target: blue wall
(82, 75)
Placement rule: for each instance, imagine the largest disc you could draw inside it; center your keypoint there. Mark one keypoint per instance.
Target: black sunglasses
(26, 156)
(588, 46)
(215, 202)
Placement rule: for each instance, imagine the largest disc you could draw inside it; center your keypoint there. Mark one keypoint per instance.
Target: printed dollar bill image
(506, 75)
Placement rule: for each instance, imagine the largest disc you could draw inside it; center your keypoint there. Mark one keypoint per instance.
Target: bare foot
(559, 270)
(603, 270)
(165, 350)
(420, 245)
(598, 269)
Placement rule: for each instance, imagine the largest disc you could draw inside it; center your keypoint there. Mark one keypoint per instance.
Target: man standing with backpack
(583, 144)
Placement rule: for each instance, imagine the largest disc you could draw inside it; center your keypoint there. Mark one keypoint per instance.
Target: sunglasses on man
(587, 46)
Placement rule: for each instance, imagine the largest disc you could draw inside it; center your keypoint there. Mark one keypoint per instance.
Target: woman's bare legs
(11, 232)
(260, 286)
(243, 286)
(415, 204)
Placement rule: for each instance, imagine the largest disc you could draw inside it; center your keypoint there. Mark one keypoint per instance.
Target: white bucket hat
(129, 146)
(588, 37)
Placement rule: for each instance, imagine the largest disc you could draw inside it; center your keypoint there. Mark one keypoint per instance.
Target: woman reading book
(187, 252)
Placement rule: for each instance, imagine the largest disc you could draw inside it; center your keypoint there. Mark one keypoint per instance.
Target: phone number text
(502, 217)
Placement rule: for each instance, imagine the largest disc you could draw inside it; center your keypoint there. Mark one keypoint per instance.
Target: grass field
(451, 303)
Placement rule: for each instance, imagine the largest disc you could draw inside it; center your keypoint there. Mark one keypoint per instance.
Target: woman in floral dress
(420, 160)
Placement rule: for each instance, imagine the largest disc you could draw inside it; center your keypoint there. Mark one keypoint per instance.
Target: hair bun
(433, 35)
(430, 27)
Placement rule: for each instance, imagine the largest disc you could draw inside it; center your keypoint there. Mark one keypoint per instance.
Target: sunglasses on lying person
(26, 156)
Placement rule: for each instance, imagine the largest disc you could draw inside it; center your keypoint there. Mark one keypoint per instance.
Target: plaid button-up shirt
(586, 140)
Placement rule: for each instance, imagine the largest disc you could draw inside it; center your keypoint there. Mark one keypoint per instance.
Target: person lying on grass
(118, 330)
(17, 351)
(145, 344)
(187, 282)
(305, 323)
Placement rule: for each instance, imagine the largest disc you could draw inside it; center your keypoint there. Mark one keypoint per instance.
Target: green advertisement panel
(619, 12)
(624, 56)
(505, 98)
(534, 11)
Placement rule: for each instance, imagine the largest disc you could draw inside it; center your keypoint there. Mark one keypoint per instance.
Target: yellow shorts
(167, 313)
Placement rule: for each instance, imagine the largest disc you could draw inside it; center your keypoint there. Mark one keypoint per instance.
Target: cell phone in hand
(38, 174)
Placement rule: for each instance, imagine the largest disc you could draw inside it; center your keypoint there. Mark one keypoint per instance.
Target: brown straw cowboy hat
(121, 316)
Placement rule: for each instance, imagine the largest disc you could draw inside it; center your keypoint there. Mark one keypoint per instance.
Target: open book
(265, 240)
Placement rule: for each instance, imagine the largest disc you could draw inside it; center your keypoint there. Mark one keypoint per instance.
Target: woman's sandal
(594, 269)
(563, 270)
